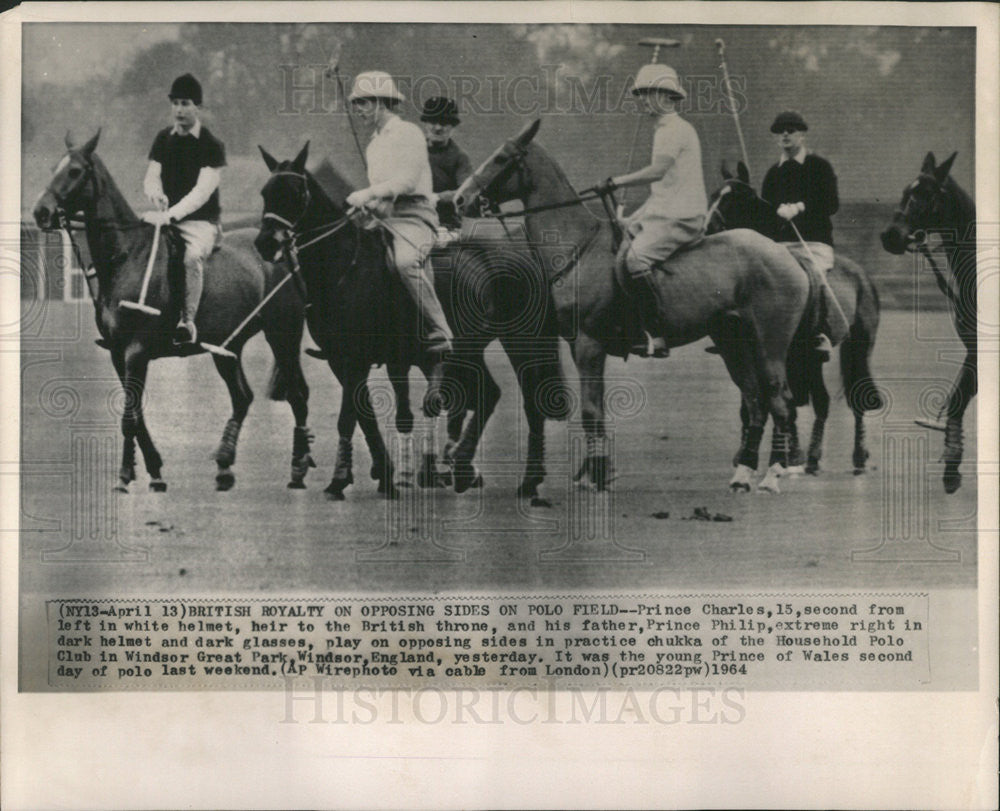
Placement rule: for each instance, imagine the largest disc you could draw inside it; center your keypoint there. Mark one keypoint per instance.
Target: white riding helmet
(375, 84)
(657, 76)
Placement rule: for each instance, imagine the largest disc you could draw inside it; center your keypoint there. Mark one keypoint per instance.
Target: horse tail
(855, 352)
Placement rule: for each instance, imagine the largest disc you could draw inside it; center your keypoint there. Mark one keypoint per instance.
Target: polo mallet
(333, 70)
(140, 305)
(655, 43)
(221, 349)
(721, 47)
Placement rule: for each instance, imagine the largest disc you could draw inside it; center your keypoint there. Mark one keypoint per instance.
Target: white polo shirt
(397, 160)
(680, 192)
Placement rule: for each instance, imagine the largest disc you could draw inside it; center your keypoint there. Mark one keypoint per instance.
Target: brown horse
(236, 282)
(934, 202)
(737, 205)
(745, 291)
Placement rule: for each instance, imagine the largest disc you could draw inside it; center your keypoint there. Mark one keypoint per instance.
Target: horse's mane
(965, 204)
(332, 183)
(534, 146)
(108, 190)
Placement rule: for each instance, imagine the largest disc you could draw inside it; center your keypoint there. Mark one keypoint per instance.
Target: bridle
(305, 197)
(916, 239)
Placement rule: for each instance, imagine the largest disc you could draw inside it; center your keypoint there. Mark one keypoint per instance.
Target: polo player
(400, 195)
(450, 165)
(803, 188)
(674, 213)
(182, 181)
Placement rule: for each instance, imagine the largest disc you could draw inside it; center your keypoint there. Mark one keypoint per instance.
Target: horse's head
(286, 200)
(498, 179)
(735, 204)
(73, 186)
(921, 207)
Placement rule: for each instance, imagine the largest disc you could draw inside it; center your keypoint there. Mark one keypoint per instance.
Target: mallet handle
(149, 264)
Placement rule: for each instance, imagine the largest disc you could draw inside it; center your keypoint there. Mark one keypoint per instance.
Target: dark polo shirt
(450, 167)
(811, 182)
(182, 158)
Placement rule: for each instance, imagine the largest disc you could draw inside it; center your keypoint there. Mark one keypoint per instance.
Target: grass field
(673, 441)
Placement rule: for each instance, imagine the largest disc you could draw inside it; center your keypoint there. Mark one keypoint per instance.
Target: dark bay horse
(934, 202)
(738, 273)
(360, 315)
(236, 282)
(737, 205)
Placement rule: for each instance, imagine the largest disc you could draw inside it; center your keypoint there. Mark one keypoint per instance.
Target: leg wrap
(225, 455)
(345, 460)
(749, 453)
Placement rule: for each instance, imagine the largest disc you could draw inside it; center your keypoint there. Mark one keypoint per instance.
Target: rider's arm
(667, 146)
(208, 182)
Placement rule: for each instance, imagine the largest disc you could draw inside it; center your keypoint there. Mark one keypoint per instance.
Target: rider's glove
(606, 186)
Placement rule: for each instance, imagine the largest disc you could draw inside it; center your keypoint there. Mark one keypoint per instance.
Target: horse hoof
(338, 485)
(952, 478)
(158, 486)
(334, 495)
(224, 457)
(296, 484)
(859, 460)
(812, 467)
(529, 487)
(742, 479)
(464, 477)
(224, 480)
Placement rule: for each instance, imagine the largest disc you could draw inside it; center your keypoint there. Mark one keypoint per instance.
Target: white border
(228, 750)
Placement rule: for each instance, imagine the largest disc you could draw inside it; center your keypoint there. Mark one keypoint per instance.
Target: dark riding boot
(650, 305)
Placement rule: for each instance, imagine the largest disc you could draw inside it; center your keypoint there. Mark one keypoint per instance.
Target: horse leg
(965, 388)
(775, 387)
(343, 473)
(382, 468)
(796, 460)
(399, 378)
(821, 409)
(589, 357)
(738, 357)
(240, 395)
(138, 432)
(289, 383)
(482, 396)
(531, 377)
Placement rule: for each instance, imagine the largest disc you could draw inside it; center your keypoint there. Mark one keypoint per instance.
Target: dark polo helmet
(186, 87)
(789, 120)
(440, 110)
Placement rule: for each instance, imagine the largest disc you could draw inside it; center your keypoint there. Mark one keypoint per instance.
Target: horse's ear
(69, 140)
(89, 147)
(941, 173)
(268, 159)
(724, 168)
(929, 164)
(299, 164)
(743, 173)
(524, 137)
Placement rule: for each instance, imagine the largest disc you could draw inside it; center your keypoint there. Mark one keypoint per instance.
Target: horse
(934, 202)
(737, 273)
(236, 283)
(737, 205)
(360, 315)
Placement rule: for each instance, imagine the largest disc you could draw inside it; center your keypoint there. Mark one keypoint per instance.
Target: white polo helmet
(375, 84)
(657, 76)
